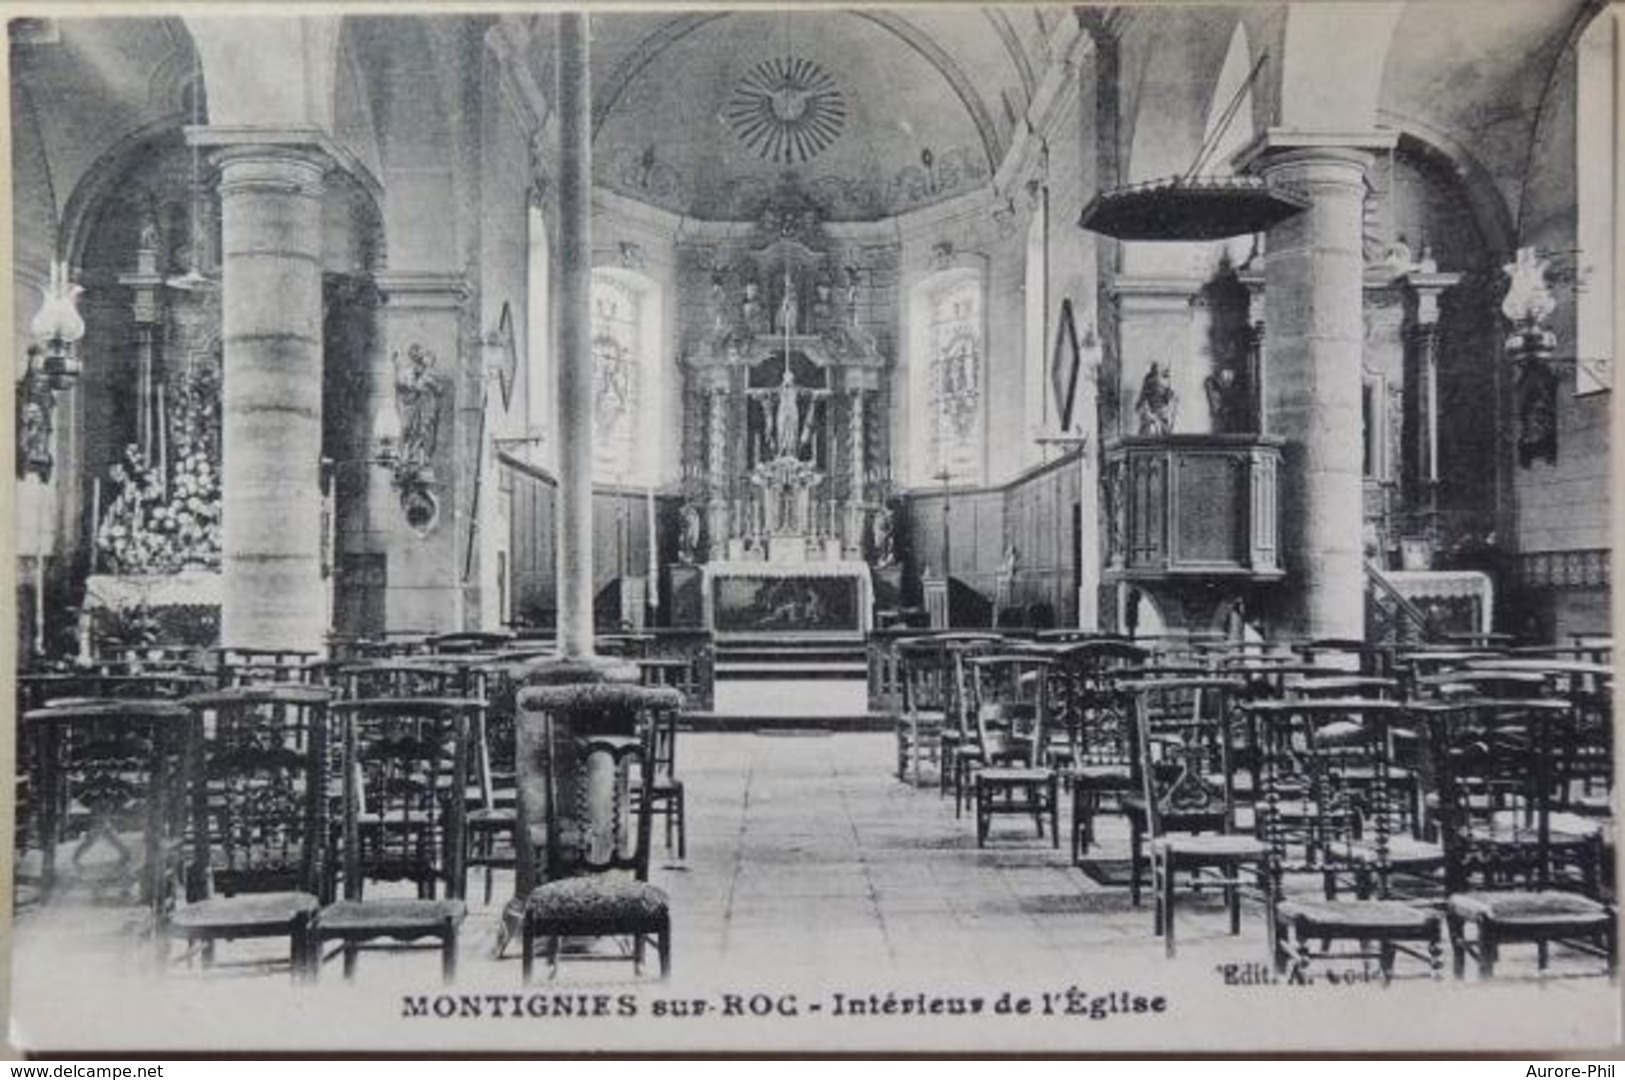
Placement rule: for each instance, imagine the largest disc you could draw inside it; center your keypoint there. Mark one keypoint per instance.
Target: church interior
(975, 435)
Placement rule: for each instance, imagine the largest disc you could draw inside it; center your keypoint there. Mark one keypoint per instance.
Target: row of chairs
(391, 771)
(1258, 768)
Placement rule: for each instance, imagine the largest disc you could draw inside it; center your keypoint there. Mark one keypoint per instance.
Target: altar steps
(780, 659)
(782, 683)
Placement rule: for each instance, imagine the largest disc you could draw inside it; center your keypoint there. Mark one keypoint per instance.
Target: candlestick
(95, 521)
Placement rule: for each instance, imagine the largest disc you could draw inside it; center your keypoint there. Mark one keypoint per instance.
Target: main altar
(785, 491)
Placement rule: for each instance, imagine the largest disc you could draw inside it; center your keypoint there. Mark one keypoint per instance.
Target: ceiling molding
(669, 33)
(641, 56)
(1012, 46)
(937, 57)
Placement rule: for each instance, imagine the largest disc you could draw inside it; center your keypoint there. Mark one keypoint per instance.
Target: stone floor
(813, 880)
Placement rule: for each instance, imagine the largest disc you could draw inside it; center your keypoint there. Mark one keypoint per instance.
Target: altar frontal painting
(779, 604)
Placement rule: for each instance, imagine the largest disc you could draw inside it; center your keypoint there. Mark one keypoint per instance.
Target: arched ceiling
(889, 109)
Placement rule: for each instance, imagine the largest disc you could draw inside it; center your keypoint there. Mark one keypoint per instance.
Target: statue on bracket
(417, 398)
(418, 394)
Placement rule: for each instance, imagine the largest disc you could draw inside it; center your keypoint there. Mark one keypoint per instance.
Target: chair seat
(598, 900)
(267, 911)
(389, 916)
(1218, 846)
(492, 817)
(1003, 774)
(1531, 909)
(1353, 915)
(1403, 851)
(1099, 775)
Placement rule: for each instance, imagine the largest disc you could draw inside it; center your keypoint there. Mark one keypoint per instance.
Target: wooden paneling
(531, 551)
(1035, 513)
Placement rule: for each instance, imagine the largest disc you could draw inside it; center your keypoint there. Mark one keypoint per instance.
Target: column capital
(1424, 291)
(299, 149)
(1290, 144)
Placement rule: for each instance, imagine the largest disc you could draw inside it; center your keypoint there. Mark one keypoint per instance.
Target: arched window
(946, 403)
(1594, 194)
(626, 390)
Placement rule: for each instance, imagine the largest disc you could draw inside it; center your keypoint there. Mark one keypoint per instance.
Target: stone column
(575, 340)
(1313, 304)
(271, 277)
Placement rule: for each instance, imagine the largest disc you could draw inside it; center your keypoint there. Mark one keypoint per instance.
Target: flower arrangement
(160, 523)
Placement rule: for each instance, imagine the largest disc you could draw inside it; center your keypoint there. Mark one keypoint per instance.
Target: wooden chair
(259, 864)
(109, 778)
(666, 789)
(1496, 786)
(405, 770)
(961, 754)
(1011, 695)
(922, 719)
(595, 742)
(1185, 815)
(1333, 756)
(1094, 716)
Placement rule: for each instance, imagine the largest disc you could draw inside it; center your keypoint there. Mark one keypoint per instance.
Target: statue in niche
(822, 308)
(718, 305)
(852, 274)
(1226, 402)
(882, 537)
(418, 391)
(750, 309)
(787, 416)
(1157, 404)
(688, 537)
(787, 320)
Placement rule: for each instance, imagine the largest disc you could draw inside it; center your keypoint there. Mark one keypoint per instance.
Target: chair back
(588, 747)
(1493, 768)
(1330, 760)
(1011, 699)
(260, 806)
(406, 763)
(105, 767)
(1183, 740)
(926, 675)
(417, 678)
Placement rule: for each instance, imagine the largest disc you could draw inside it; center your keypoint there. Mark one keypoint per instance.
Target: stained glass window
(947, 390)
(617, 337)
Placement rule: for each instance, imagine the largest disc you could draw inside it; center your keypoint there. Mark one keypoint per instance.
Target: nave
(811, 870)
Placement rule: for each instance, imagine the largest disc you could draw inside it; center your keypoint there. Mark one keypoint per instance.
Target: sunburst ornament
(787, 110)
